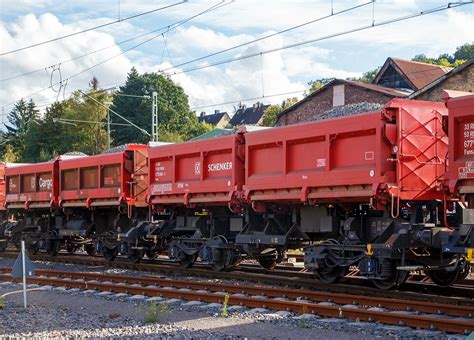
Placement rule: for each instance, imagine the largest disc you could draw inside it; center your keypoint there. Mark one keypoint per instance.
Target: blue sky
(24, 22)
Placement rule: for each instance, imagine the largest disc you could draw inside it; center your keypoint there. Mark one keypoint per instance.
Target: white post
(24, 271)
(108, 127)
(154, 117)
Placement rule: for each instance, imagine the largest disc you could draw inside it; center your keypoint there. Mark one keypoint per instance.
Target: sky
(274, 76)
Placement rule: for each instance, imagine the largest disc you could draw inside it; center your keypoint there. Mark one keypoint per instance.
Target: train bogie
(378, 191)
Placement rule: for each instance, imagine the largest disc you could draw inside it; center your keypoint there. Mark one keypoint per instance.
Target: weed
(2, 302)
(225, 304)
(153, 312)
(302, 323)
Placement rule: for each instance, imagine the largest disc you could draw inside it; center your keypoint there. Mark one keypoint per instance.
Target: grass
(2, 302)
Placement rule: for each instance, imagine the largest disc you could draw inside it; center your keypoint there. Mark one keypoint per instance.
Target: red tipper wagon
(2, 186)
(206, 171)
(30, 186)
(395, 153)
(460, 174)
(104, 180)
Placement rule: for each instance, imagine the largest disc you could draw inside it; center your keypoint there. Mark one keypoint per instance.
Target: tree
(464, 52)
(271, 113)
(21, 120)
(369, 76)
(315, 85)
(176, 122)
(76, 124)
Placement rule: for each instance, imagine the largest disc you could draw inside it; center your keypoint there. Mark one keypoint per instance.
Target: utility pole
(108, 123)
(154, 117)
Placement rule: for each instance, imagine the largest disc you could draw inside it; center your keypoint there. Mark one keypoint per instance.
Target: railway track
(416, 291)
(451, 318)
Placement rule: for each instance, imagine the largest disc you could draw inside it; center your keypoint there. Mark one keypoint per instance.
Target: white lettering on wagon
(467, 171)
(160, 188)
(468, 141)
(219, 166)
(45, 183)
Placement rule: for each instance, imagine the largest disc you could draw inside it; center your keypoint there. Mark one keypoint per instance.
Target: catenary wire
(108, 47)
(170, 27)
(354, 30)
(91, 28)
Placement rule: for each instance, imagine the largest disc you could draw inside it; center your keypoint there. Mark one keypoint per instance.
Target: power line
(92, 28)
(418, 14)
(117, 114)
(270, 35)
(110, 46)
(169, 28)
(362, 28)
(248, 99)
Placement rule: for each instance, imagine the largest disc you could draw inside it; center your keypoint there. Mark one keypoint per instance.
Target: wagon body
(460, 174)
(31, 185)
(209, 171)
(396, 152)
(104, 180)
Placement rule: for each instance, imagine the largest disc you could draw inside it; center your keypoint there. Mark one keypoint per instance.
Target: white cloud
(30, 29)
(283, 71)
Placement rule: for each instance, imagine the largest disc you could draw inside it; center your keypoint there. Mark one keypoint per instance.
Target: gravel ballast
(74, 313)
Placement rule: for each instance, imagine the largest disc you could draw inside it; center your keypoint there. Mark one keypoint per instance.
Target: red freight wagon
(351, 158)
(104, 180)
(460, 174)
(206, 171)
(2, 187)
(31, 185)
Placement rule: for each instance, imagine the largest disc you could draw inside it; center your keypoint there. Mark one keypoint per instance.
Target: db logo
(197, 168)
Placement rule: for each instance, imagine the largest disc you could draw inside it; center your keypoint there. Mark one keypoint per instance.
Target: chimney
(216, 111)
(202, 114)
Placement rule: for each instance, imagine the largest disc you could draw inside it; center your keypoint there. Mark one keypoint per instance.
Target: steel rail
(419, 292)
(271, 292)
(394, 318)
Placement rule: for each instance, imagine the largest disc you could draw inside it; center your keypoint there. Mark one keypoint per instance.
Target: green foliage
(153, 312)
(31, 139)
(176, 122)
(271, 113)
(367, 77)
(224, 313)
(463, 53)
(2, 302)
(22, 121)
(315, 85)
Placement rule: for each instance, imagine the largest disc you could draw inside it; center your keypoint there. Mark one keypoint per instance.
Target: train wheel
(90, 249)
(32, 248)
(3, 245)
(267, 262)
(444, 278)
(70, 248)
(151, 254)
(330, 275)
(397, 278)
(219, 265)
(135, 255)
(52, 247)
(465, 271)
(109, 254)
(187, 261)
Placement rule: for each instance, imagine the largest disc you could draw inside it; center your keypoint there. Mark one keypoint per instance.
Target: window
(338, 95)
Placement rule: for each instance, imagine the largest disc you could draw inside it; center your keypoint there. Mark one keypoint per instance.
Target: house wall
(223, 122)
(323, 101)
(462, 81)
